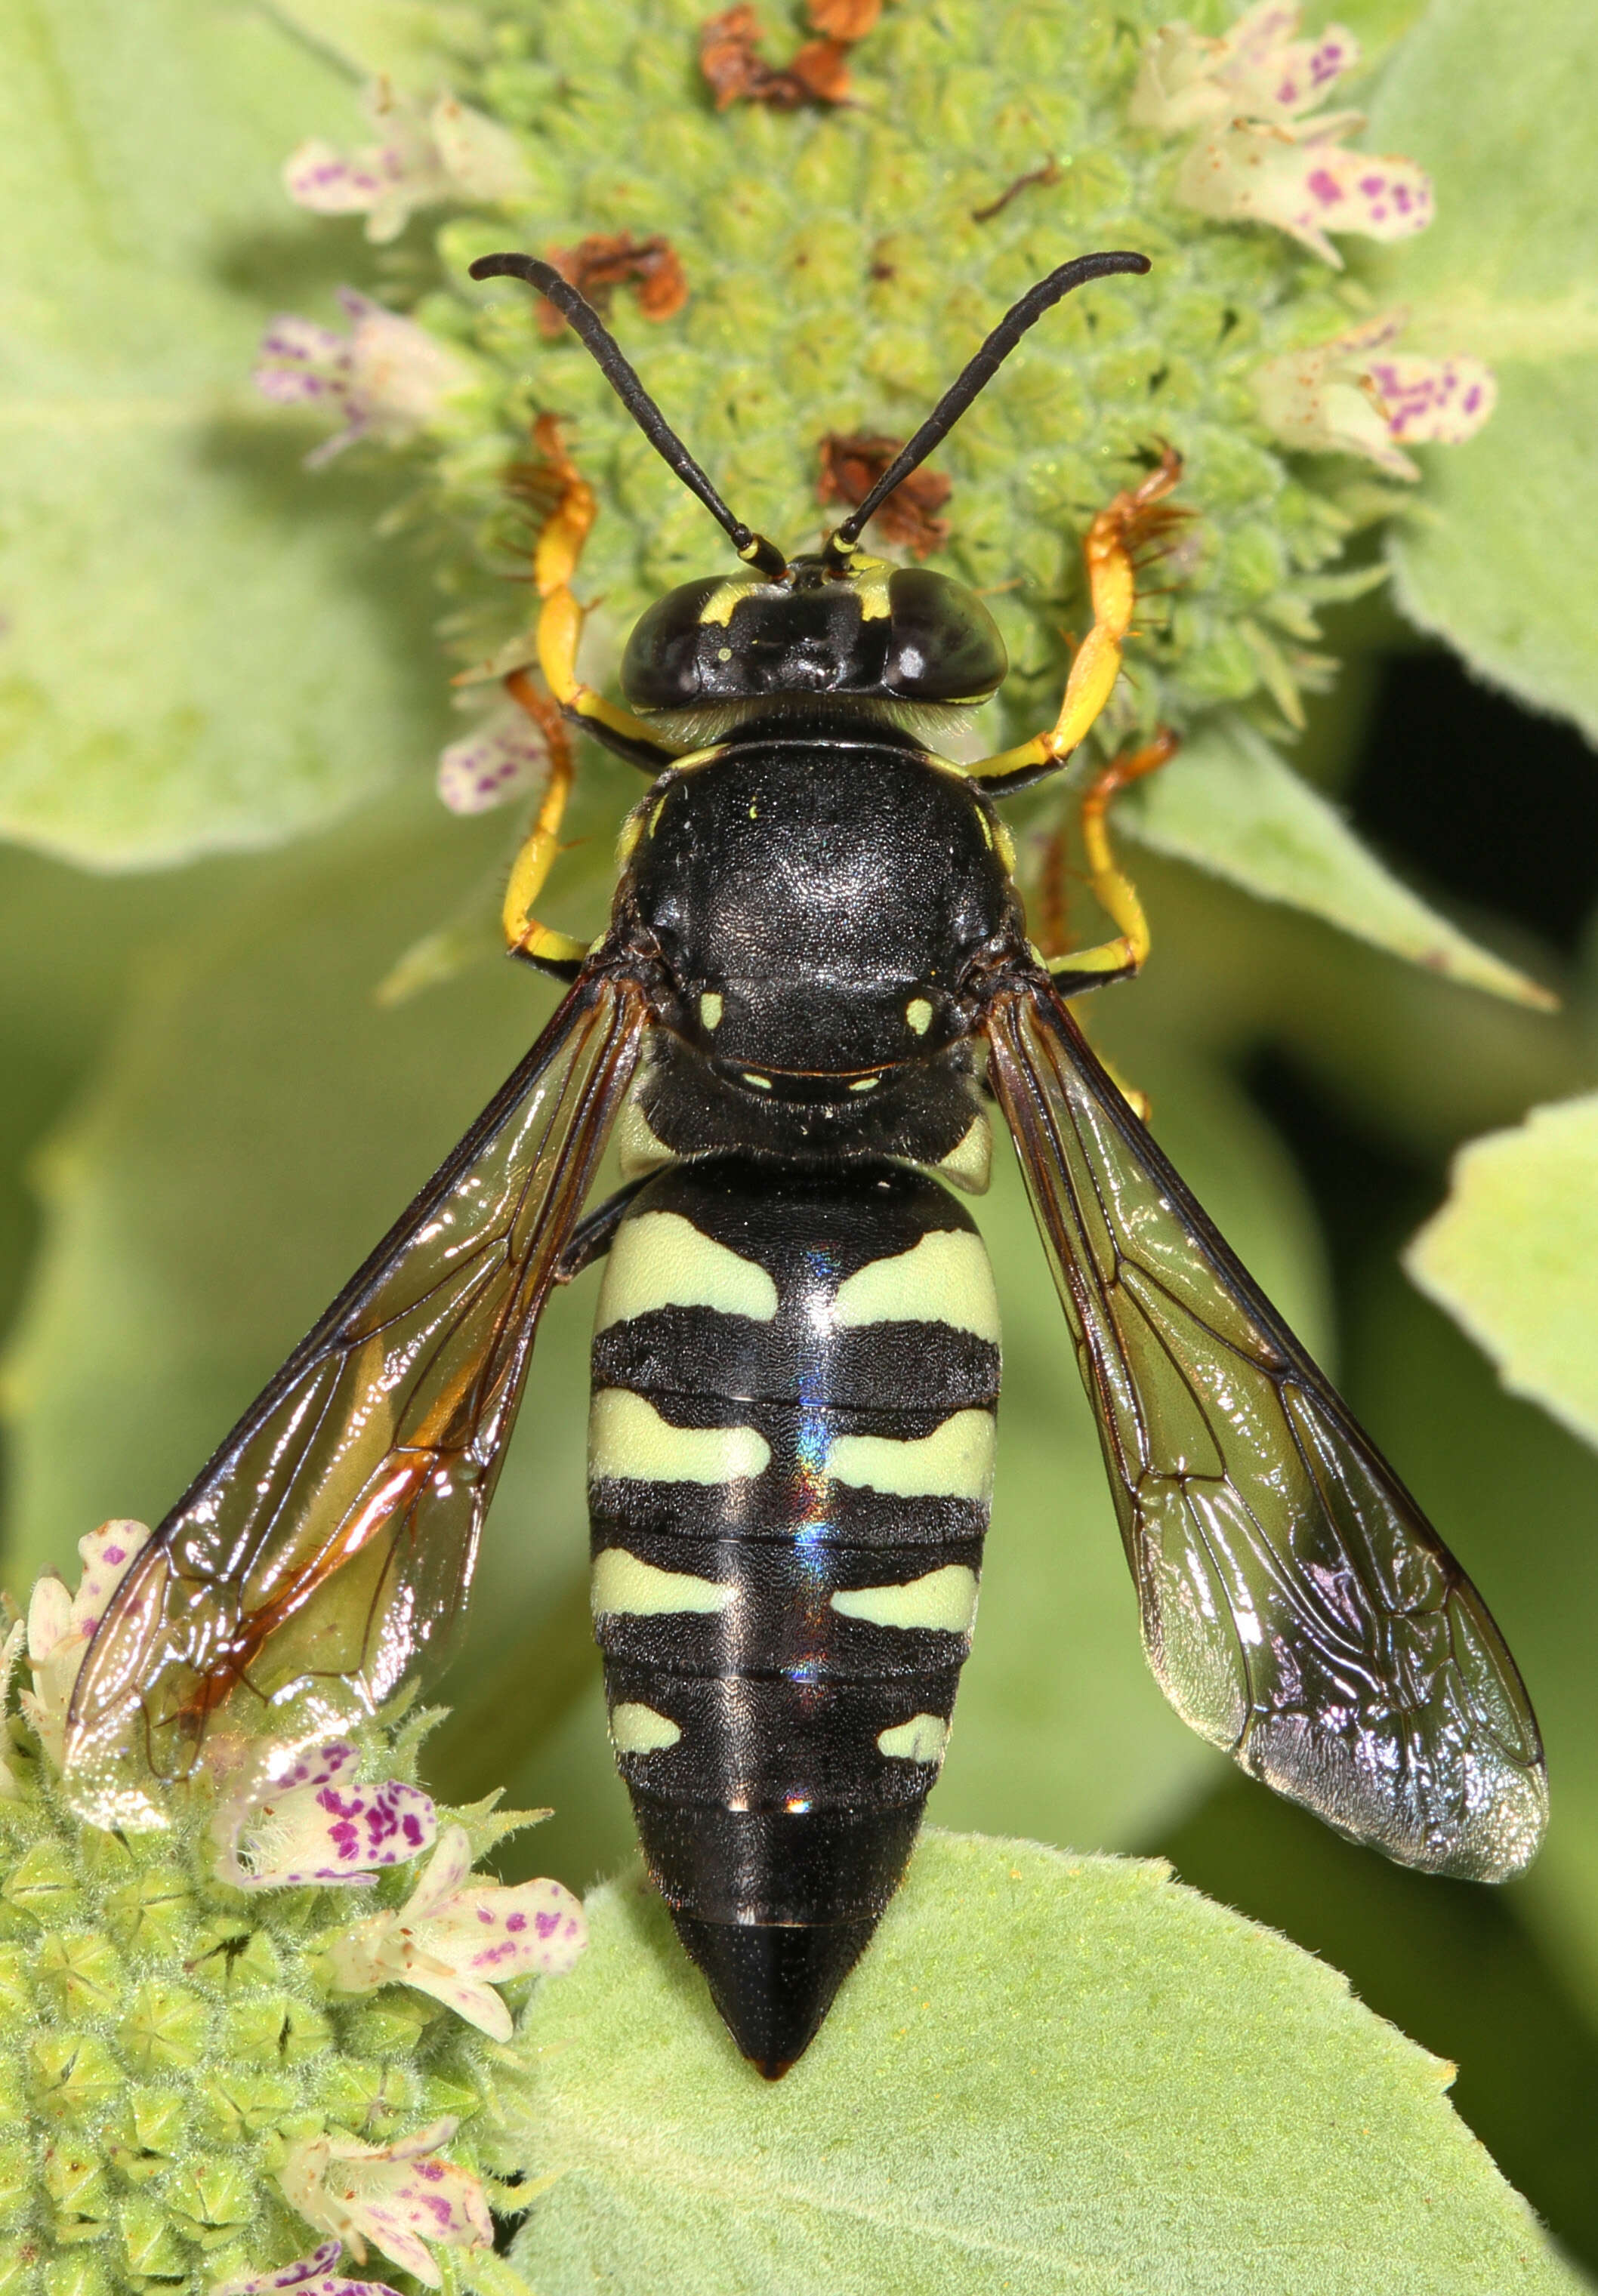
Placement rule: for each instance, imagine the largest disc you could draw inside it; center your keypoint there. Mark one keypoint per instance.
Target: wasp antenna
(623, 378)
(975, 377)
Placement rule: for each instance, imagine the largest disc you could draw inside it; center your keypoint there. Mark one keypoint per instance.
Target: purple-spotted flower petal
(308, 2275)
(451, 153)
(1340, 397)
(315, 1825)
(60, 1625)
(1260, 70)
(507, 757)
(1296, 177)
(456, 1939)
(387, 379)
(399, 2197)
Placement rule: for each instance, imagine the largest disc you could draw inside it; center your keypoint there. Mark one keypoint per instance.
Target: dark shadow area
(1477, 799)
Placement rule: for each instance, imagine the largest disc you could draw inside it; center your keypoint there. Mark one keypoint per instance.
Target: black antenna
(764, 556)
(975, 378)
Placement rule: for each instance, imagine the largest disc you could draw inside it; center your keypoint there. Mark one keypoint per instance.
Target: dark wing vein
(329, 1544)
(1298, 1608)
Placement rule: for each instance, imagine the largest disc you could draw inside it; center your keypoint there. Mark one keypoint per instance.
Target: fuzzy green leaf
(207, 649)
(1513, 1255)
(1048, 2073)
(1232, 805)
(1502, 561)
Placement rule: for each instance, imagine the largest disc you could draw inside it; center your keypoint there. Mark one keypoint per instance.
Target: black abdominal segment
(791, 1456)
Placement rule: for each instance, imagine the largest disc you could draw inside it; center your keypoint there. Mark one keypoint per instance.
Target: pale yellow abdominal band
(662, 1260)
(954, 1462)
(943, 1279)
(624, 1586)
(630, 1441)
(944, 1601)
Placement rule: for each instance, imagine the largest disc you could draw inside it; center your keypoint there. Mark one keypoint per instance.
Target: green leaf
(1503, 560)
(1232, 805)
(207, 648)
(1048, 2073)
(1513, 1255)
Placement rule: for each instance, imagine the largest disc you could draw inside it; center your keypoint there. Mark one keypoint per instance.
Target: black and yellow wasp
(816, 977)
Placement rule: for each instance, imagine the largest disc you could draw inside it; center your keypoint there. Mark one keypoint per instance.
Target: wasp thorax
(873, 633)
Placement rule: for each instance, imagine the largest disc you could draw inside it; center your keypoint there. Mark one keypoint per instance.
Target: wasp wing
(330, 1543)
(1298, 1608)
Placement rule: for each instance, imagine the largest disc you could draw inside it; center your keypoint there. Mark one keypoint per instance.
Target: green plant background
(219, 700)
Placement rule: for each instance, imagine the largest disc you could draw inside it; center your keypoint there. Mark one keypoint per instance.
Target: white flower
(1293, 176)
(312, 1825)
(507, 757)
(387, 379)
(60, 1626)
(308, 2275)
(1335, 397)
(458, 1943)
(451, 154)
(396, 2195)
(1259, 69)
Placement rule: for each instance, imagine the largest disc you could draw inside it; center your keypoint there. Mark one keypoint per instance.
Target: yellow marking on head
(865, 1083)
(986, 827)
(624, 1588)
(639, 1730)
(969, 1163)
(918, 1015)
(761, 1083)
(710, 1009)
(954, 1462)
(869, 578)
(921, 1739)
(632, 829)
(654, 816)
(631, 1442)
(659, 1259)
(946, 1278)
(718, 607)
(1004, 846)
(943, 1600)
(639, 1150)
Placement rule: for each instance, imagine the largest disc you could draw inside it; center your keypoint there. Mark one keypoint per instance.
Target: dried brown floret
(737, 72)
(595, 267)
(851, 465)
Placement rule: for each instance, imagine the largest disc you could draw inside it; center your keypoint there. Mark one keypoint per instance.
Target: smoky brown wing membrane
(1297, 1609)
(329, 1545)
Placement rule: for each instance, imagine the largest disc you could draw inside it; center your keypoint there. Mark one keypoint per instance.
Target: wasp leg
(1118, 958)
(560, 617)
(540, 945)
(593, 1237)
(1114, 539)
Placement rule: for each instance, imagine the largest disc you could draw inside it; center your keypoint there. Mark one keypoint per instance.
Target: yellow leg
(560, 617)
(523, 934)
(1114, 539)
(1113, 889)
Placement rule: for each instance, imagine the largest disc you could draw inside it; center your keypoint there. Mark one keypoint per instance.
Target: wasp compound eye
(908, 634)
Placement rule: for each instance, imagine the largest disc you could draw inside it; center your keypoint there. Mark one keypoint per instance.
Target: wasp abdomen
(790, 1465)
